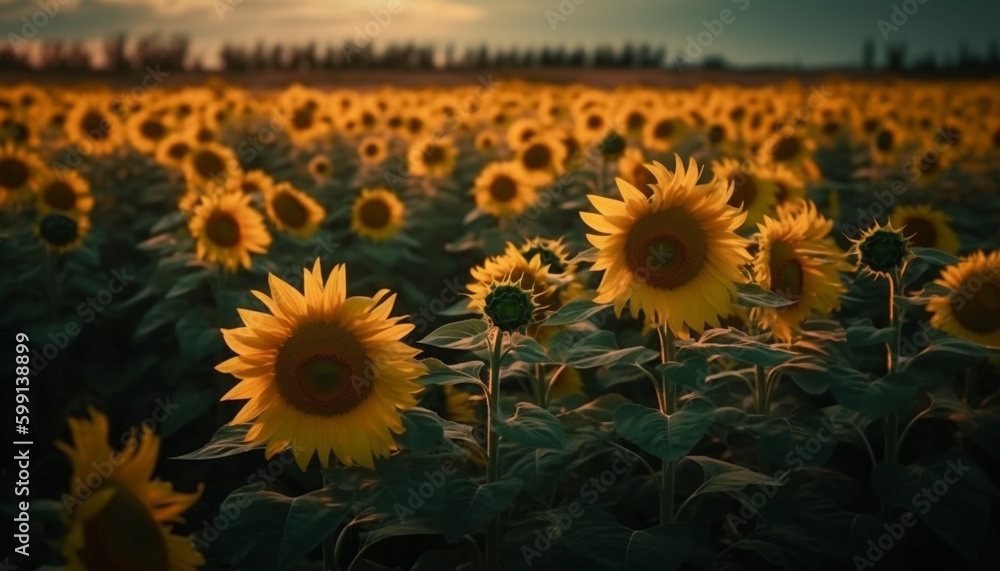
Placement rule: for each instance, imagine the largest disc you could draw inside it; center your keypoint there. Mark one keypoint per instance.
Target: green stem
(537, 386)
(493, 450)
(332, 543)
(760, 404)
(668, 405)
(892, 361)
(548, 386)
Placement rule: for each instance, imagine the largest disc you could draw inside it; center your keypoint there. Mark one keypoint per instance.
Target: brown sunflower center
(664, 129)
(594, 122)
(786, 148)
(433, 155)
(884, 141)
(503, 188)
(924, 235)
(59, 195)
(323, 369)
(302, 118)
(94, 125)
(123, 536)
(537, 157)
(223, 229)
(668, 246)
(716, 134)
(635, 120)
(371, 150)
(178, 150)
(249, 187)
(152, 129)
(786, 271)
(13, 173)
(980, 310)
(321, 167)
(208, 164)
(744, 190)
(374, 213)
(290, 210)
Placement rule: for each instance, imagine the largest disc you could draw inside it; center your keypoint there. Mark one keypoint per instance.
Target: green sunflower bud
(612, 146)
(510, 308)
(58, 230)
(883, 250)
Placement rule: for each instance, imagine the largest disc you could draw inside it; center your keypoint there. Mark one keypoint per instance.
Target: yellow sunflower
(675, 256)
(256, 182)
(542, 159)
(971, 310)
(293, 211)
(926, 227)
(228, 230)
(322, 371)
(147, 129)
(632, 168)
(521, 132)
(69, 192)
(460, 406)
(485, 141)
(210, 164)
(372, 150)
(377, 214)
(752, 193)
(796, 260)
(92, 126)
(320, 167)
(568, 383)
(432, 157)
(61, 232)
(553, 254)
(20, 171)
(663, 130)
(173, 149)
(125, 522)
(502, 189)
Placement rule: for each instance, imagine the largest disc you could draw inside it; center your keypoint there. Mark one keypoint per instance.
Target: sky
(752, 32)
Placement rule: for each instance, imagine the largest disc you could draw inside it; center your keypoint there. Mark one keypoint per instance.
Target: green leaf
(864, 333)
(934, 256)
(669, 438)
(439, 373)
(471, 506)
(424, 430)
(533, 427)
(809, 373)
(190, 403)
(527, 350)
(752, 295)
(607, 544)
(574, 312)
(725, 477)
(274, 532)
(737, 345)
(468, 334)
(874, 398)
(197, 337)
(951, 496)
(227, 441)
(690, 373)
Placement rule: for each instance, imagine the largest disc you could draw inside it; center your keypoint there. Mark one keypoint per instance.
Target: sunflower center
(635, 120)
(924, 235)
(93, 125)
(884, 141)
(223, 229)
(831, 128)
(870, 125)
(594, 122)
(980, 312)
(786, 148)
(249, 187)
(414, 125)
(537, 157)
(716, 134)
(433, 155)
(208, 164)
(152, 129)
(123, 536)
(302, 118)
(322, 369)
(374, 213)
(371, 149)
(996, 138)
(322, 167)
(668, 246)
(744, 190)
(503, 188)
(60, 196)
(13, 173)
(664, 129)
(786, 272)
(178, 150)
(290, 210)
(58, 230)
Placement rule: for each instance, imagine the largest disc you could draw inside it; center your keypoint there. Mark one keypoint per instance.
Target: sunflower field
(503, 326)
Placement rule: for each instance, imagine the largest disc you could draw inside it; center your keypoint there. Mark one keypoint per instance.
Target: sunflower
(675, 256)
(320, 167)
(971, 309)
(20, 171)
(69, 192)
(568, 383)
(591, 124)
(460, 406)
(542, 159)
(147, 129)
(881, 251)
(61, 232)
(125, 522)
(293, 211)
(752, 193)
(926, 227)
(632, 168)
(377, 214)
(796, 260)
(372, 150)
(663, 130)
(792, 150)
(503, 189)
(521, 132)
(513, 270)
(322, 371)
(552, 253)
(210, 164)
(256, 182)
(173, 149)
(485, 141)
(93, 127)
(433, 157)
(228, 230)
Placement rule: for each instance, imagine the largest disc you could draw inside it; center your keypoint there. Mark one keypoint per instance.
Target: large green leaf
(573, 312)
(424, 430)
(273, 532)
(533, 427)
(607, 544)
(669, 438)
(725, 477)
(439, 373)
(752, 295)
(468, 334)
(739, 346)
(874, 398)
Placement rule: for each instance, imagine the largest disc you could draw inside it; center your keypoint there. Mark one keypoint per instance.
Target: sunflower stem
(493, 449)
(332, 543)
(761, 406)
(537, 386)
(892, 361)
(668, 405)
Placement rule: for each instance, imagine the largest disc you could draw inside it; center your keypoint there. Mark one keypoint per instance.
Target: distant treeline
(173, 54)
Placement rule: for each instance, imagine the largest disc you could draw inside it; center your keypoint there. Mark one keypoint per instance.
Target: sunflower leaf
(574, 311)
(469, 334)
(669, 438)
(934, 256)
(873, 398)
(752, 295)
(607, 544)
(439, 373)
(533, 427)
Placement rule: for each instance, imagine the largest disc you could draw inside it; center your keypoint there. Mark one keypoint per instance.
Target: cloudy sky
(810, 32)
